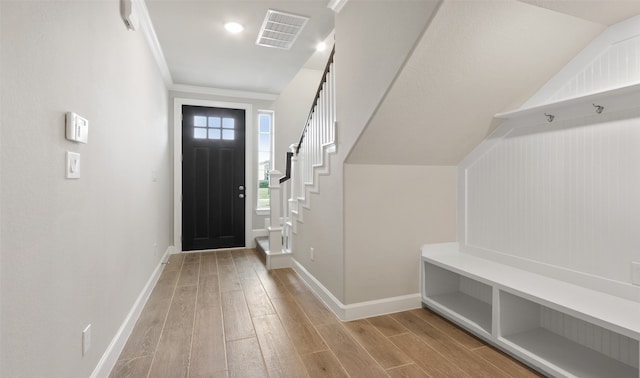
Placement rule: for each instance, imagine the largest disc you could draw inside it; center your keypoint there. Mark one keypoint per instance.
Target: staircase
(307, 160)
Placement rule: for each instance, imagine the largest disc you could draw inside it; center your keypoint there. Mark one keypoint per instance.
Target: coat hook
(599, 108)
(550, 117)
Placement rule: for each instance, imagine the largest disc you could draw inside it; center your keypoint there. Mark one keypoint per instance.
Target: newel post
(293, 192)
(275, 229)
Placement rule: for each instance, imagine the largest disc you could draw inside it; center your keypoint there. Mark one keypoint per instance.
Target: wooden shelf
(567, 356)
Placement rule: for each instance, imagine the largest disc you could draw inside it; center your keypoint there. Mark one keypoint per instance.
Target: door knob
(241, 195)
(241, 187)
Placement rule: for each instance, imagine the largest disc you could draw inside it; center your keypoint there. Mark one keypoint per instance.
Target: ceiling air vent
(280, 30)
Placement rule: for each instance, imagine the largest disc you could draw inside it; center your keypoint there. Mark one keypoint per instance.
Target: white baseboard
(357, 310)
(278, 260)
(111, 354)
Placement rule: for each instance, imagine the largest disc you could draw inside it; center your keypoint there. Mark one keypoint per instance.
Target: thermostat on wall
(77, 128)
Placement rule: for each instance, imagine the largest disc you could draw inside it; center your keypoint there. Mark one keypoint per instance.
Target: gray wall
(77, 252)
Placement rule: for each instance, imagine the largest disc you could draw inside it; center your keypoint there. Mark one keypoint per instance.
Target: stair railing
(303, 162)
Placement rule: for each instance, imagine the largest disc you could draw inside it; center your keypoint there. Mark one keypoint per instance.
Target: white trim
(278, 260)
(224, 92)
(336, 5)
(177, 163)
(361, 309)
(111, 354)
(152, 40)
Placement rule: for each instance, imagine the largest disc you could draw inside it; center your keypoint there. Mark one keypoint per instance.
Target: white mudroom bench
(558, 328)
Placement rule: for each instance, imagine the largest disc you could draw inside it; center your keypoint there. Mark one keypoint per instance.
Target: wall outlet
(635, 273)
(312, 254)
(86, 339)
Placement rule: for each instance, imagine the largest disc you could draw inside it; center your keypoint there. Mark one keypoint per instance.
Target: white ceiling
(199, 52)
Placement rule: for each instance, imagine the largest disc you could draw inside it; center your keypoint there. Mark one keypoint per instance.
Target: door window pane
(214, 122)
(228, 123)
(200, 121)
(214, 133)
(200, 133)
(228, 134)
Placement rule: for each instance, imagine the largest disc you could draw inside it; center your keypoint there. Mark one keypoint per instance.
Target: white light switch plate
(77, 128)
(635, 273)
(73, 165)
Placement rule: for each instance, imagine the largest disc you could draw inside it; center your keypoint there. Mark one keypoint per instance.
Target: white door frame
(177, 164)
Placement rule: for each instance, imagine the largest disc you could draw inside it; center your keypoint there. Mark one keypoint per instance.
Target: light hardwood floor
(222, 314)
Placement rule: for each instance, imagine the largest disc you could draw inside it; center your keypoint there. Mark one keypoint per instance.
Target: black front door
(213, 164)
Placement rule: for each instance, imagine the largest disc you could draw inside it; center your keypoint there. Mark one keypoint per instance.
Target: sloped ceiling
(477, 58)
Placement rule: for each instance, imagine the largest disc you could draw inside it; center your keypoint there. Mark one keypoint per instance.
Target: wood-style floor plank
(134, 368)
(380, 348)
(208, 354)
(302, 333)
(463, 357)
(245, 359)
(317, 312)
(292, 281)
(224, 258)
(165, 286)
(189, 274)
(273, 286)
(455, 332)
(208, 265)
(192, 258)
(257, 299)
(174, 262)
(278, 351)
(172, 355)
(505, 363)
(387, 325)
(146, 333)
(423, 355)
(209, 291)
(243, 264)
(323, 364)
(355, 360)
(407, 371)
(229, 280)
(237, 321)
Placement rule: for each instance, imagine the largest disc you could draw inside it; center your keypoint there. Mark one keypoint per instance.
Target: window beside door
(265, 149)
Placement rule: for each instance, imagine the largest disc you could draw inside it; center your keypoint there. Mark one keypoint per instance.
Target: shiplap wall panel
(617, 66)
(614, 345)
(476, 289)
(564, 196)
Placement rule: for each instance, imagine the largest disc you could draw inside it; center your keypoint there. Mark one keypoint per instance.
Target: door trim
(177, 163)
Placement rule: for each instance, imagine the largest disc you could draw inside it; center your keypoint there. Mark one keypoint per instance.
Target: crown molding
(336, 5)
(152, 40)
(223, 92)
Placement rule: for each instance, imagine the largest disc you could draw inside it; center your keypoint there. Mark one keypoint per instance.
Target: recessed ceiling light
(233, 27)
(321, 46)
